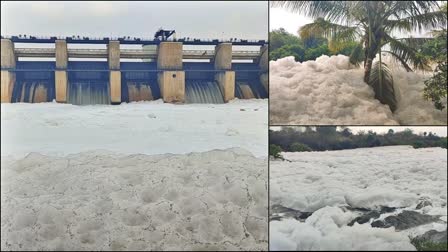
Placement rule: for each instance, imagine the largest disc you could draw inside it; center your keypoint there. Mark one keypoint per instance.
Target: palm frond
(337, 35)
(357, 55)
(425, 21)
(403, 9)
(397, 58)
(405, 50)
(330, 10)
(382, 82)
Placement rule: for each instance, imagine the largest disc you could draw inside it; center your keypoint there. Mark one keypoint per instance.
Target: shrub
(427, 245)
(274, 150)
(418, 144)
(299, 147)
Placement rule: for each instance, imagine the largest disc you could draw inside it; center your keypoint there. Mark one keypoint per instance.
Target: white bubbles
(330, 90)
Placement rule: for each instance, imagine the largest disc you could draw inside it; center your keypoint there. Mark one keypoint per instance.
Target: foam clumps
(332, 184)
(330, 90)
(100, 200)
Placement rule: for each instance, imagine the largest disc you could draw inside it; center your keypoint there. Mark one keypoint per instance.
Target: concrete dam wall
(169, 75)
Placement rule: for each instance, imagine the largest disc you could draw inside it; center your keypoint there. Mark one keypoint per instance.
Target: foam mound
(100, 200)
(330, 90)
(330, 183)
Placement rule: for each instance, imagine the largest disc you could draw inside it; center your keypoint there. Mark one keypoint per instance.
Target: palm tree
(370, 24)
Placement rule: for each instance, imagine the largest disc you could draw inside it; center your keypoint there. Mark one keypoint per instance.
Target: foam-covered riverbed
(142, 127)
(317, 197)
(100, 200)
(330, 90)
(137, 176)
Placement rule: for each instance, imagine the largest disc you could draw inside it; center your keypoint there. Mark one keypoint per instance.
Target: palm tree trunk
(367, 68)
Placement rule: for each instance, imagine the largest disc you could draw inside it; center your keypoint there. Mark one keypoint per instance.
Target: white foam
(215, 200)
(331, 91)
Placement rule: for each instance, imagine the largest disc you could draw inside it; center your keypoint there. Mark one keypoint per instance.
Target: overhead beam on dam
(60, 77)
(226, 77)
(114, 75)
(172, 79)
(8, 61)
(263, 62)
(130, 54)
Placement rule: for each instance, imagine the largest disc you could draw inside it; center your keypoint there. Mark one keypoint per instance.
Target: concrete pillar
(60, 82)
(114, 55)
(8, 61)
(264, 67)
(172, 79)
(226, 81)
(226, 78)
(172, 86)
(264, 79)
(114, 74)
(60, 77)
(169, 56)
(115, 86)
(223, 56)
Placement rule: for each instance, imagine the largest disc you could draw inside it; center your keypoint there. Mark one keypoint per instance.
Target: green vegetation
(283, 44)
(436, 87)
(331, 138)
(299, 147)
(274, 150)
(370, 25)
(425, 245)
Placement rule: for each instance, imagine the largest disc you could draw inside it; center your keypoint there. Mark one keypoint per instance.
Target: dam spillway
(167, 71)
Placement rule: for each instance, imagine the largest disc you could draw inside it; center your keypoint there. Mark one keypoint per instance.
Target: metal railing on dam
(129, 53)
(127, 40)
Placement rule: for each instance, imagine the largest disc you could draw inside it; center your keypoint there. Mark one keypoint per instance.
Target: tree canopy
(331, 138)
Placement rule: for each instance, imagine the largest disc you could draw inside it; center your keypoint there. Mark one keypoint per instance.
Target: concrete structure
(8, 61)
(264, 67)
(226, 81)
(223, 56)
(169, 71)
(60, 77)
(172, 79)
(60, 83)
(113, 49)
(226, 78)
(169, 56)
(115, 86)
(114, 75)
(172, 86)
(147, 53)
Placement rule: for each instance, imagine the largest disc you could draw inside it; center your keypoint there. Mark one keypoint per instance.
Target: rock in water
(365, 218)
(279, 212)
(423, 203)
(433, 236)
(404, 220)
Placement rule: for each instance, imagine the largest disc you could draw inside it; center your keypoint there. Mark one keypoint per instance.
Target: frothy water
(88, 92)
(199, 91)
(330, 90)
(33, 92)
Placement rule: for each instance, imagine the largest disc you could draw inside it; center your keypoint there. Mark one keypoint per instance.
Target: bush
(443, 143)
(274, 150)
(299, 147)
(426, 245)
(418, 144)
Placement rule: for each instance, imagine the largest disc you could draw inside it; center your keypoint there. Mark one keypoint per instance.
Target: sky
(245, 19)
(439, 130)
